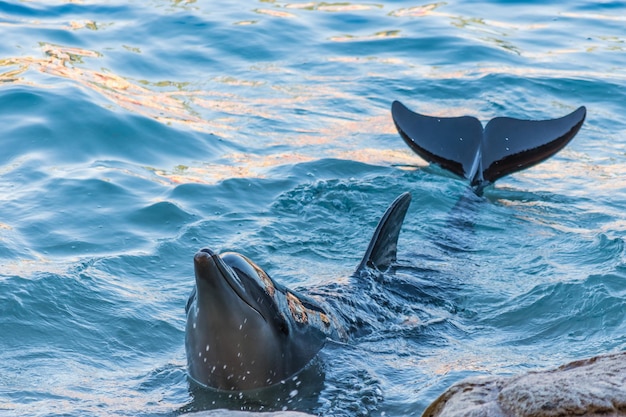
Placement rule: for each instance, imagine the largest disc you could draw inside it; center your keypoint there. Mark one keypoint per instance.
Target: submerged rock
(588, 387)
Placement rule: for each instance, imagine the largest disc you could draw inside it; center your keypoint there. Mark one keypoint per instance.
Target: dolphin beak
(214, 275)
(210, 268)
(203, 259)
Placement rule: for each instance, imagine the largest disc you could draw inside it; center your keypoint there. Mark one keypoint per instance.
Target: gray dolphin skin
(245, 331)
(504, 146)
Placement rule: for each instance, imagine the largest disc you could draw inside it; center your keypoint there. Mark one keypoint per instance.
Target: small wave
(584, 311)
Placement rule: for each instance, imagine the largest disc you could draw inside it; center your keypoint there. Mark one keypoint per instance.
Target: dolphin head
(243, 330)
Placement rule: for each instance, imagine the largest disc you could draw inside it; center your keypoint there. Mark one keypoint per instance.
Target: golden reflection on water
(594, 16)
(59, 61)
(275, 13)
(226, 110)
(607, 174)
(245, 165)
(462, 360)
(346, 7)
(229, 110)
(417, 11)
(375, 36)
(63, 390)
(333, 7)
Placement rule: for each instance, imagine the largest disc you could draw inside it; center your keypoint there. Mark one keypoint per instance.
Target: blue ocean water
(136, 132)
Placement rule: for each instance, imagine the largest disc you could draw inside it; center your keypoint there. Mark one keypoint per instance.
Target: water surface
(136, 133)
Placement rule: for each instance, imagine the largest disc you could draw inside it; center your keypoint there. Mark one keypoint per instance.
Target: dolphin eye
(283, 325)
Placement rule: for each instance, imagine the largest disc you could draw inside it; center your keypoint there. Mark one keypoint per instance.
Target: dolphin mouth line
(227, 273)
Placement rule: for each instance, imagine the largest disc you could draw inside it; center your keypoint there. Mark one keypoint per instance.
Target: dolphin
(245, 331)
(504, 146)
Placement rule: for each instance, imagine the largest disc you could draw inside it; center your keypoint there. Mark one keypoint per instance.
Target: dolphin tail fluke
(381, 252)
(451, 142)
(510, 145)
(504, 146)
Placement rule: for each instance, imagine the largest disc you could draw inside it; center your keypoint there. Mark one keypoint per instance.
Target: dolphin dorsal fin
(504, 146)
(381, 252)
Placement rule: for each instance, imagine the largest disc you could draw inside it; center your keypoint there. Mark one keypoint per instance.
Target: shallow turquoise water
(136, 133)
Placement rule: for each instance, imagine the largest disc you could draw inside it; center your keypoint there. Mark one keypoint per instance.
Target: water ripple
(136, 133)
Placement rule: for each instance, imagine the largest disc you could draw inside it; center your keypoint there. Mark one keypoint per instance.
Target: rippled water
(135, 133)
